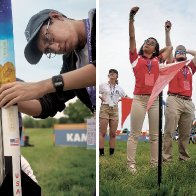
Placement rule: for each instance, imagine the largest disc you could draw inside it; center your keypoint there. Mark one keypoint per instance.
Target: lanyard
(149, 65)
(112, 90)
(88, 35)
(184, 71)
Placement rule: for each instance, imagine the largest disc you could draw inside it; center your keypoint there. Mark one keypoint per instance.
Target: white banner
(91, 133)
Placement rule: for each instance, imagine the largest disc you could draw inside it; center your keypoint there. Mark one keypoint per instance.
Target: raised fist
(134, 10)
(168, 25)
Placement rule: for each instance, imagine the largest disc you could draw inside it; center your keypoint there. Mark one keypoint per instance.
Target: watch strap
(58, 83)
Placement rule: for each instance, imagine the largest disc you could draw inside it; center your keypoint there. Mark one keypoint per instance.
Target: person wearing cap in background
(179, 106)
(51, 33)
(110, 94)
(145, 66)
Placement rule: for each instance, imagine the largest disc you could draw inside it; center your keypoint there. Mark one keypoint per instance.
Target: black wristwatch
(58, 83)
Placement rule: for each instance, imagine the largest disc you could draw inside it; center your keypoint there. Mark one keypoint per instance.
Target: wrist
(131, 20)
(45, 87)
(58, 83)
(131, 16)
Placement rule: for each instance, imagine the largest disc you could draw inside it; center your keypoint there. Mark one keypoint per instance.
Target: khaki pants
(179, 112)
(138, 113)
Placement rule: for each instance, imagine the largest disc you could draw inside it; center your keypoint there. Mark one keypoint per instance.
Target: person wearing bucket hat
(179, 106)
(51, 33)
(110, 93)
(145, 64)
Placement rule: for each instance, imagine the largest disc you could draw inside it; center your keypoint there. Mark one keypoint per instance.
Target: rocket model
(13, 181)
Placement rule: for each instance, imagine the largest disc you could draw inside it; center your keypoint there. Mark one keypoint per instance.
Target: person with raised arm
(145, 64)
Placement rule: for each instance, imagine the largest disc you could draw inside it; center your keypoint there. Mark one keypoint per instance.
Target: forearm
(79, 78)
(167, 38)
(132, 44)
(32, 107)
(166, 54)
(191, 52)
(131, 28)
(168, 44)
(163, 50)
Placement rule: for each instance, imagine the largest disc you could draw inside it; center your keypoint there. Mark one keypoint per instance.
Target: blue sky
(149, 22)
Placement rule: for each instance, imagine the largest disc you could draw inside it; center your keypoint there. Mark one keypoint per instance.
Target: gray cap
(31, 52)
(181, 47)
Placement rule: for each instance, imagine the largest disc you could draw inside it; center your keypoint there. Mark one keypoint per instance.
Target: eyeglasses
(151, 43)
(112, 73)
(49, 39)
(180, 52)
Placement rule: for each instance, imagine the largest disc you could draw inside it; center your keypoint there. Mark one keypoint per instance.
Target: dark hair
(115, 71)
(156, 53)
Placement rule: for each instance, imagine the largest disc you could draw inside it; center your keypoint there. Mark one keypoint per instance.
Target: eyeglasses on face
(149, 42)
(49, 39)
(112, 73)
(180, 52)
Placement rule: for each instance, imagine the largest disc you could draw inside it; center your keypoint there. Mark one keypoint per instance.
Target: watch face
(58, 83)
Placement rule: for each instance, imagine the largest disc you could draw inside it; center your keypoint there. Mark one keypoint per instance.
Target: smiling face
(57, 36)
(180, 53)
(149, 46)
(113, 76)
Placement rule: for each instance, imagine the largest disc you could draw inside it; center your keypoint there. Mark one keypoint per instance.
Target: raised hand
(133, 11)
(168, 25)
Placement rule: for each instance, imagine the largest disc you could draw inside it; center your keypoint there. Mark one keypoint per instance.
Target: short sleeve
(133, 56)
(101, 89)
(192, 66)
(122, 93)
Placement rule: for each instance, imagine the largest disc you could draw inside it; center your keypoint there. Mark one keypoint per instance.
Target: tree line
(75, 112)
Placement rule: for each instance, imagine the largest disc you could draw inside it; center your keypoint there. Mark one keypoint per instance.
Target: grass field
(60, 171)
(178, 178)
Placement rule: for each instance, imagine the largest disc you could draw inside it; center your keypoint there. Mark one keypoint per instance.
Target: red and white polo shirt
(146, 72)
(181, 84)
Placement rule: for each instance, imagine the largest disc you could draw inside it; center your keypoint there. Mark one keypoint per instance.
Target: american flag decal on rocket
(14, 142)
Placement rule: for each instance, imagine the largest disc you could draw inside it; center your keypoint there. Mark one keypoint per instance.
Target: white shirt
(111, 93)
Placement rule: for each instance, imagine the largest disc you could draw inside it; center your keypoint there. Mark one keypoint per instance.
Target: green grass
(59, 170)
(178, 178)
